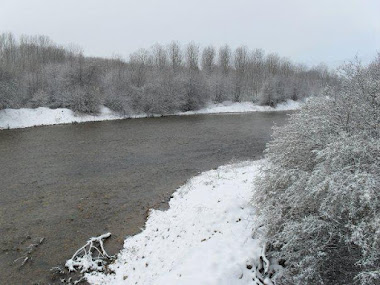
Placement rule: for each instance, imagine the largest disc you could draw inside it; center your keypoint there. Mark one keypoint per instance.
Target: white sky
(308, 31)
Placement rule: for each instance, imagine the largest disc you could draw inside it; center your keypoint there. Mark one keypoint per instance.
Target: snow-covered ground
(23, 118)
(244, 107)
(205, 237)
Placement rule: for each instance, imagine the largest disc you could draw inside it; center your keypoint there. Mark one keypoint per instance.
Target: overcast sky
(308, 31)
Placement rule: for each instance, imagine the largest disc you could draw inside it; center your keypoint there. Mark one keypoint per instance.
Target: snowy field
(205, 237)
(23, 118)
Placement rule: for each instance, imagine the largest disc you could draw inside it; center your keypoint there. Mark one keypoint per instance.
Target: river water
(67, 183)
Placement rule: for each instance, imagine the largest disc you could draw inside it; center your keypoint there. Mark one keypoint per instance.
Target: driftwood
(90, 257)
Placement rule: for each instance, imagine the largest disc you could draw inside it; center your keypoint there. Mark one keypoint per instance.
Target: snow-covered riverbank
(205, 237)
(244, 107)
(24, 118)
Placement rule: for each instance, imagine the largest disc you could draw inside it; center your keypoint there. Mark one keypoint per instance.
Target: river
(67, 183)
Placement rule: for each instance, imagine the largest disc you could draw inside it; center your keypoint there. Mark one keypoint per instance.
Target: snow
(24, 118)
(244, 107)
(205, 237)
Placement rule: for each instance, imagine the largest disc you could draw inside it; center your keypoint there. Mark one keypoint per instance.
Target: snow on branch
(92, 256)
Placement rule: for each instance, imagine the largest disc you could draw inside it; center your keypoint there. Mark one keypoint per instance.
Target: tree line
(35, 72)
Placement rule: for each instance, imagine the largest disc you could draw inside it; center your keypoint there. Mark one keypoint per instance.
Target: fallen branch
(29, 250)
(265, 260)
(84, 259)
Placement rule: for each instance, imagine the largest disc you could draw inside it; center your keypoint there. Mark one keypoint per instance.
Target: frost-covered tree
(192, 57)
(139, 64)
(224, 59)
(208, 59)
(240, 64)
(318, 199)
(160, 56)
(175, 56)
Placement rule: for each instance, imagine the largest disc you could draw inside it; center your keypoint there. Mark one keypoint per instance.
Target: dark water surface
(70, 182)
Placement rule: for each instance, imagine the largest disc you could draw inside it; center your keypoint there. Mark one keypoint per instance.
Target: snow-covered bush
(10, 94)
(279, 89)
(195, 95)
(319, 198)
(7, 92)
(85, 100)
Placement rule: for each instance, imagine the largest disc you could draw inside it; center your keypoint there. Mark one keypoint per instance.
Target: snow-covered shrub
(223, 88)
(319, 197)
(39, 98)
(165, 94)
(85, 100)
(195, 95)
(10, 94)
(7, 92)
(279, 89)
(117, 104)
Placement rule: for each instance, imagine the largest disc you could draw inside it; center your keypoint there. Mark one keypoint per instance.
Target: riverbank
(24, 118)
(205, 237)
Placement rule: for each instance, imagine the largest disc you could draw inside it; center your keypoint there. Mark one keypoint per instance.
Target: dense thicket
(319, 198)
(36, 72)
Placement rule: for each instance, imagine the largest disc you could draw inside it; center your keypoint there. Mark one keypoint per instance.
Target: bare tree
(273, 63)
(139, 62)
(241, 64)
(224, 59)
(175, 56)
(160, 56)
(256, 71)
(192, 56)
(208, 59)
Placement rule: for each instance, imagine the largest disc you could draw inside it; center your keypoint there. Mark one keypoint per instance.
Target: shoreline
(43, 116)
(204, 237)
